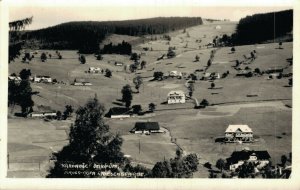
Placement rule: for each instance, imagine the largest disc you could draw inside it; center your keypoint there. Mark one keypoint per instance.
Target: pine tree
(90, 143)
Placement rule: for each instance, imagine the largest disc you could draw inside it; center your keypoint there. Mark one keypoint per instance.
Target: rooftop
(176, 92)
(245, 155)
(234, 128)
(146, 126)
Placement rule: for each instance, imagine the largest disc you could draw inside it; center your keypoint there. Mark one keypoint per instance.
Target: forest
(262, 27)
(85, 36)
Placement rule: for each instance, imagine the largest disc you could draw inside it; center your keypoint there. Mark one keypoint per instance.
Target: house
(210, 76)
(244, 73)
(175, 74)
(215, 75)
(274, 70)
(82, 84)
(218, 27)
(146, 127)
(94, 70)
(118, 113)
(14, 78)
(44, 79)
(118, 63)
(261, 158)
(175, 97)
(237, 133)
(42, 114)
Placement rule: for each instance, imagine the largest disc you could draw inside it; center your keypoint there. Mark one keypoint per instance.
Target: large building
(260, 158)
(176, 97)
(235, 133)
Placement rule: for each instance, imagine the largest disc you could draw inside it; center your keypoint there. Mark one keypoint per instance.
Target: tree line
(262, 27)
(85, 36)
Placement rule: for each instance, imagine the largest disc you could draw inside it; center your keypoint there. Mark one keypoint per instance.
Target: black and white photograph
(150, 91)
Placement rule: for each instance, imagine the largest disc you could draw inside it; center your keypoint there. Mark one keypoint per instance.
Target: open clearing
(195, 131)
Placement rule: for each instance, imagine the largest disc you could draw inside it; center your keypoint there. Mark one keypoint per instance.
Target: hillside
(259, 101)
(88, 34)
(262, 27)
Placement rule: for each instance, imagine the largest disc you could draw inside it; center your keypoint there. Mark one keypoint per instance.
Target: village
(232, 106)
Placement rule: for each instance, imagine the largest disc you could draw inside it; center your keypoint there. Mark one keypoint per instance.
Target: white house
(218, 27)
(14, 78)
(45, 79)
(118, 63)
(237, 133)
(175, 74)
(175, 97)
(261, 158)
(82, 84)
(94, 70)
(209, 76)
(42, 114)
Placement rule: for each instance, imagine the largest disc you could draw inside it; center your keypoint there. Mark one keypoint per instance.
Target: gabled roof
(118, 111)
(245, 155)
(176, 92)
(139, 126)
(233, 128)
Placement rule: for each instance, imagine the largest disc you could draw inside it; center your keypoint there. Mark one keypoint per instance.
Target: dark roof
(139, 126)
(118, 111)
(245, 155)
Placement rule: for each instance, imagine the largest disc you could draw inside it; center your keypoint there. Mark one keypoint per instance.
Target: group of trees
(90, 142)
(178, 167)
(86, 36)
(21, 93)
(66, 114)
(262, 27)
(123, 48)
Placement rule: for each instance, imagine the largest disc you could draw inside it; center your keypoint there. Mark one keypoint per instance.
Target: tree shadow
(219, 140)
(19, 115)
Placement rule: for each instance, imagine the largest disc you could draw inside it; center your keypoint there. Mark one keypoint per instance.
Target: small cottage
(44, 79)
(176, 97)
(175, 74)
(118, 113)
(94, 70)
(146, 127)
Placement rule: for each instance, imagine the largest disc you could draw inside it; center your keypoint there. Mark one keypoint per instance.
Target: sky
(56, 12)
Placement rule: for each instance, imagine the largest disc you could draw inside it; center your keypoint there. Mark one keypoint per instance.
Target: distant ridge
(74, 35)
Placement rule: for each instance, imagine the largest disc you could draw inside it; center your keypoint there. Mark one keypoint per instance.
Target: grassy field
(195, 131)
